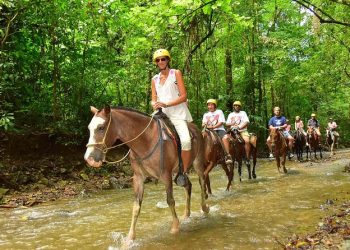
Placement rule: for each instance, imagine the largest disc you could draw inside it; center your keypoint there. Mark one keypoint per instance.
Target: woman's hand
(157, 105)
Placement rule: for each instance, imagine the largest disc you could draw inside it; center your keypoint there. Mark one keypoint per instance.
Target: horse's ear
(93, 110)
(107, 109)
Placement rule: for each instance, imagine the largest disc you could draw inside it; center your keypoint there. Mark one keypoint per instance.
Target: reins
(105, 149)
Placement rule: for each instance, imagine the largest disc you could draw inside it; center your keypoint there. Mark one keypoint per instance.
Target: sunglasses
(161, 59)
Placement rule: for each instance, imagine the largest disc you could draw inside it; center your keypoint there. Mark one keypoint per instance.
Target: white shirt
(169, 91)
(213, 118)
(237, 119)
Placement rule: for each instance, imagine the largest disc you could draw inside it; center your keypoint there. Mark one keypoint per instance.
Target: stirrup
(181, 179)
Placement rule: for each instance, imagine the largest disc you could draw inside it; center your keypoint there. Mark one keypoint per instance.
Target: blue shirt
(277, 121)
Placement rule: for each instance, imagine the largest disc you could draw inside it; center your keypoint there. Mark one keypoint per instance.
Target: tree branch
(7, 31)
(314, 9)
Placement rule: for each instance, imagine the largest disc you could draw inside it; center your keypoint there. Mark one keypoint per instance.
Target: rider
(215, 119)
(331, 128)
(314, 124)
(169, 93)
(280, 122)
(299, 125)
(239, 120)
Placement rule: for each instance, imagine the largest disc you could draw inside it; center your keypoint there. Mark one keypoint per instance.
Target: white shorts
(183, 132)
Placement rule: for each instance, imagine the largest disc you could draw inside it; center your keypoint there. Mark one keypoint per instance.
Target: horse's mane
(130, 109)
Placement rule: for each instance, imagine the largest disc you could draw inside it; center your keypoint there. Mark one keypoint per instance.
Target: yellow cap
(212, 101)
(238, 103)
(313, 114)
(297, 117)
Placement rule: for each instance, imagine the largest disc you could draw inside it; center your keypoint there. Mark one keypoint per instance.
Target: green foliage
(6, 121)
(59, 57)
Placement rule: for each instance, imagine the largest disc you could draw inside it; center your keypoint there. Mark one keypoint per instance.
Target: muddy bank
(37, 168)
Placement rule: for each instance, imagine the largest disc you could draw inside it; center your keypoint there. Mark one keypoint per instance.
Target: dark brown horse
(214, 154)
(249, 152)
(299, 144)
(150, 155)
(279, 148)
(314, 143)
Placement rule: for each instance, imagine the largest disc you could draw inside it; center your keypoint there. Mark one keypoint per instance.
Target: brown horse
(214, 154)
(150, 154)
(299, 144)
(248, 152)
(279, 148)
(314, 143)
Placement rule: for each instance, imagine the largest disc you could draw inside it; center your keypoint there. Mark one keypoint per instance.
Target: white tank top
(169, 91)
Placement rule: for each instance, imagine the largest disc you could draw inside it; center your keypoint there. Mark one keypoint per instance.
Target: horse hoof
(205, 209)
(254, 176)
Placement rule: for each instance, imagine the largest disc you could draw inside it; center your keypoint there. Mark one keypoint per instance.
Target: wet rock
(329, 202)
(118, 183)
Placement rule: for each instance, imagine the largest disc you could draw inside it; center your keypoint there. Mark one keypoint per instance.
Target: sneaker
(291, 155)
(271, 155)
(307, 144)
(228, 159)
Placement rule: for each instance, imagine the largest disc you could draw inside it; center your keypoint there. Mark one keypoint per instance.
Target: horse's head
(98, 141)
(275, 136)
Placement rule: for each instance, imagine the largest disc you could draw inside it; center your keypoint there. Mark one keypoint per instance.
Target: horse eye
(101, 128)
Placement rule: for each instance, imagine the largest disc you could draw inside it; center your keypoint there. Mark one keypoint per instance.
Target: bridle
(105, 148)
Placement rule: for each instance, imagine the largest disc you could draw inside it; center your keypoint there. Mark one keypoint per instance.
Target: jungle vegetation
(59, 57)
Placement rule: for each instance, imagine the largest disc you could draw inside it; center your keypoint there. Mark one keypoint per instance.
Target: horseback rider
(299, 126)
(238, 122)
(314, 124)
(280, 122)
(214, 119)
(169, 93)
(331, 128)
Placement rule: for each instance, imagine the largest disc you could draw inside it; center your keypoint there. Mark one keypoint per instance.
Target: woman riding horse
(169, 93)
(238, 122)
(152, 153)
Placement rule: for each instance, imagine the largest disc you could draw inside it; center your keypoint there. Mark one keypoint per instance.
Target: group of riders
(238, 121)
(169, 94)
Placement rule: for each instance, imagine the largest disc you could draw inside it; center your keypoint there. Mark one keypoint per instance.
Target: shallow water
(254, 215)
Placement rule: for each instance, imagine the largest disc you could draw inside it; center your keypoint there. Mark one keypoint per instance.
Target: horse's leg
(284, 156)
(277, 157)
(247, 149)
(204, 194)
(249, 169)
(228, 174)
(188, 193)
(240, 169)
(138, 183)
(208, 168)
(199, 167)
(254, 151)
